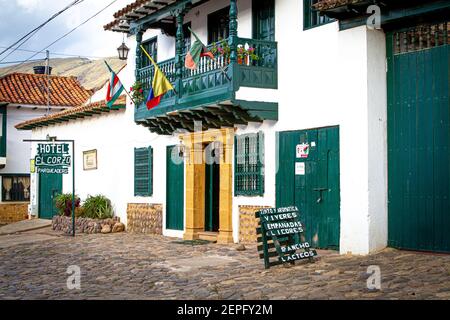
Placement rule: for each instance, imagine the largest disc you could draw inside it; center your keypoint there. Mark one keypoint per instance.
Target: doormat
(193, 242)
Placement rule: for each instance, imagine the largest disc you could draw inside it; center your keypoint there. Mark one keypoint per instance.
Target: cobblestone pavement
(124, 266)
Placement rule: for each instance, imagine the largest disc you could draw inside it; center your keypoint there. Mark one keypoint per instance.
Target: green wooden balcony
(208, 94)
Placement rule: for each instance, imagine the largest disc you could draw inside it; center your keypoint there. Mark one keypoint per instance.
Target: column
(233, 31)
(139, 34)
(226, 189)
(179, 44)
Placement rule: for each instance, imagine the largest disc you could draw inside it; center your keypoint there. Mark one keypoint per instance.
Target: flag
(198, 50)
(115, 88)
(160, 85)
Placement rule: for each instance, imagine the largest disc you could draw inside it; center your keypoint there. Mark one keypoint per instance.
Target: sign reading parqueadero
(53, 158)
(281, 229)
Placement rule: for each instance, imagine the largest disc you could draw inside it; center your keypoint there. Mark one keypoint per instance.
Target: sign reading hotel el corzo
(53, 158)
(282, 235)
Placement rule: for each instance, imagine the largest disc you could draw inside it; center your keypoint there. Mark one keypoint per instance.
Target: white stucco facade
(326, 77)
(17, 160)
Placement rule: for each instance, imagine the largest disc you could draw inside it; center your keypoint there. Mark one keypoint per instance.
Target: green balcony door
(310, 180)
(212, 191)
(50, 185)
(419, 139)
(264, 20)
(175, 190)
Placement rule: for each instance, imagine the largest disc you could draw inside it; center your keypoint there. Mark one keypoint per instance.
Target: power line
(12, 62)
(59, 54)
(63, 36)
(30, 34)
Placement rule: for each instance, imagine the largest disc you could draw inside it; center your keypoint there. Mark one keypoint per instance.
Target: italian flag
(115, 88)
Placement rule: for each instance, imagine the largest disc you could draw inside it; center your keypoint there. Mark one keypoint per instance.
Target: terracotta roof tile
(79, 111)
(24, 88)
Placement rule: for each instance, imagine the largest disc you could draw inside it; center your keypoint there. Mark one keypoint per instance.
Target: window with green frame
(151, 46)
(311, 17)
(143, 172)
(249, 165)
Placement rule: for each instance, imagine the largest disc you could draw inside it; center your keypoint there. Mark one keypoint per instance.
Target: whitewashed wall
(326, 78)
(18, 152)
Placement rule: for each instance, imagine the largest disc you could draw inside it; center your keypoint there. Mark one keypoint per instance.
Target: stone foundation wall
(144, 218)
(13, 212)
(248, 223)
(82, 225)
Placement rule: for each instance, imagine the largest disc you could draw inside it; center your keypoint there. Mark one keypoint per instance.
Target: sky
(18, 17)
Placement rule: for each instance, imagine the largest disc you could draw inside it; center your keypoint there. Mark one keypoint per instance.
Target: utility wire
(58, 54)
(30, 34)
(12, 62)
(63, 36)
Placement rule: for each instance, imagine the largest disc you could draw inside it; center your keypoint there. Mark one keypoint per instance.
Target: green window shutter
(3, 131)
(311, 17)
(249, 165)
(143, 172)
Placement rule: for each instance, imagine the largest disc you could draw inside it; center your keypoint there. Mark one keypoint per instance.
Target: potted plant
(137, 93)
(222, 48)
(246, 54)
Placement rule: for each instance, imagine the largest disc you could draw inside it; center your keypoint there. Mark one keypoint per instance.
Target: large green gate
(174, 190)
(50, 185)
(308, 177)
(418, 138)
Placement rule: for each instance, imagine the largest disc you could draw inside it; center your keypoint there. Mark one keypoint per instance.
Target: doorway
(212, 189)
(50, 185)
(308, 177)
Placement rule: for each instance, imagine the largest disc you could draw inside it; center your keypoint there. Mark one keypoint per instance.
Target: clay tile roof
(24, 88)
(81, 111)
(330, 4)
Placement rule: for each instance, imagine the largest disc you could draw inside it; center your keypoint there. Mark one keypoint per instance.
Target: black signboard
(281, 235)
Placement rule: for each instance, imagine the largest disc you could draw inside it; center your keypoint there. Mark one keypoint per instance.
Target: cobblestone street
(124, 266)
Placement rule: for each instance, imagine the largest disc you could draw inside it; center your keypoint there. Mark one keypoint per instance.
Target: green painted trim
(157, 16)
(402, 17)
(4, 124)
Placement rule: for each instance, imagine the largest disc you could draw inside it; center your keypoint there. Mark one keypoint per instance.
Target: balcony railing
(215, 79)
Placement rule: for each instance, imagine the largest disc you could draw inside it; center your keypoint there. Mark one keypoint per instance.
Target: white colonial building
(304, 105)
(24, 97)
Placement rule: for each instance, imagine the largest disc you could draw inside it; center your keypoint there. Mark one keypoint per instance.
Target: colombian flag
(160, 85)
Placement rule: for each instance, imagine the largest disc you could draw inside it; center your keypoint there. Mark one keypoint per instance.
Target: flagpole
(111, 70)
(220, 67)
(154, 63)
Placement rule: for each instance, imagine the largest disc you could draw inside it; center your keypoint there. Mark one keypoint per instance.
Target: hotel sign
(53, 158)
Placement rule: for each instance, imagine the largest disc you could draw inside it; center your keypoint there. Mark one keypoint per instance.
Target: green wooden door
(310, 180)
(212, 192)
(175, 190)
(264, 20)
(50, 185)
(418, 139)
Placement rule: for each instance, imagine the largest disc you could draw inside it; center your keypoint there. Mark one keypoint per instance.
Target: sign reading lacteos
(53, 158)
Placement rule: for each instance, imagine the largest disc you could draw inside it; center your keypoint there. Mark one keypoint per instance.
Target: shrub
(98, 207)
(63, 203)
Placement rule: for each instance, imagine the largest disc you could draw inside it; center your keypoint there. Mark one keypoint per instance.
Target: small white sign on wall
(299, 168)
(302, 150)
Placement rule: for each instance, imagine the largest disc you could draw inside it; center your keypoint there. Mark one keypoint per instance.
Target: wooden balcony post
(179, 44)
(233, 30)
(139, 34)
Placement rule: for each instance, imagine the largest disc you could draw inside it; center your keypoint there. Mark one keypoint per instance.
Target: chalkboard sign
(281, 235)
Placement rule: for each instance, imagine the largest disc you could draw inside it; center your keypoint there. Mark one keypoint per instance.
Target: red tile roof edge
(120, 103)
